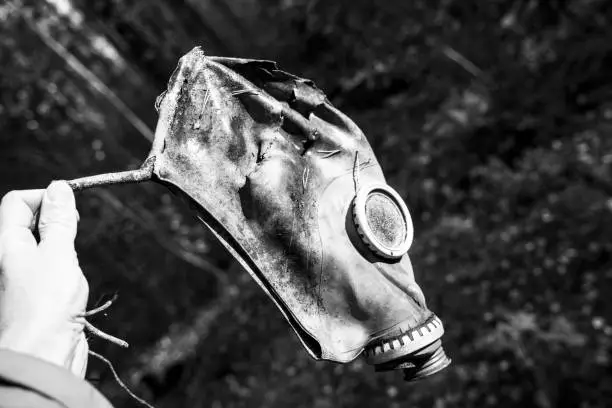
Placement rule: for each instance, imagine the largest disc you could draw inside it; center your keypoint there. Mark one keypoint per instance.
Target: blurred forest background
(491, 118)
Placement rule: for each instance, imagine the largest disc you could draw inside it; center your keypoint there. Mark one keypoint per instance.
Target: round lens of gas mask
(383, 221)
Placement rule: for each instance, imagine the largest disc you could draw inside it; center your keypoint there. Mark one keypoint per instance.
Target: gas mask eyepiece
(382, 221)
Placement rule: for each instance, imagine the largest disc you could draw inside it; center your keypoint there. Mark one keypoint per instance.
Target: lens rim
(364, 230)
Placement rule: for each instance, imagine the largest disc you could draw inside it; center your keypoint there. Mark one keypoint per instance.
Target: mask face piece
(292, 189)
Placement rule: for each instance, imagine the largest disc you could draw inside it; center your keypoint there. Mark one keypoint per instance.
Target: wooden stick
(99, 308)
(116, 376)
(99, 333)
(144, 173)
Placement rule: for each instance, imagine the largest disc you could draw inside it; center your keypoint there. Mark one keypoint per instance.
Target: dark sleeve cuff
(22, 371)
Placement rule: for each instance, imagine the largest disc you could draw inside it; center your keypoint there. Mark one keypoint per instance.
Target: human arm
(43, 350)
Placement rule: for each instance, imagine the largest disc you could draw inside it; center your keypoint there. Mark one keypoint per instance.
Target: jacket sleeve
(28, 382)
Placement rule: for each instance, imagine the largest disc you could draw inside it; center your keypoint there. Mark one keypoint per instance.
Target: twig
(141, 216)
(328, 153)
(239, 92)
(99, 333)
(144, 173)
(121, 383)
(305, 175)
(99, 308)
(465, 63)
(356, 172)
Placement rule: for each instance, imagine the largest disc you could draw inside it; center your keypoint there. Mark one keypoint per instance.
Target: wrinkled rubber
(272, 167)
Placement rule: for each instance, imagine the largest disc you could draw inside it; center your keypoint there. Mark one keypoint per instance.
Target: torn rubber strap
(291, 187)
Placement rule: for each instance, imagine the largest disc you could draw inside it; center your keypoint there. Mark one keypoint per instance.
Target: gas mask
(291, 187)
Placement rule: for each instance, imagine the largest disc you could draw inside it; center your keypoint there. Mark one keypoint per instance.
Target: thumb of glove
(58, 215)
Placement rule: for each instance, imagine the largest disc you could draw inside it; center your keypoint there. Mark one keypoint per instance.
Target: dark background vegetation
(491, 118)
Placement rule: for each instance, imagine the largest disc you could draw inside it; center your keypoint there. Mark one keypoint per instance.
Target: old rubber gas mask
(291, 187)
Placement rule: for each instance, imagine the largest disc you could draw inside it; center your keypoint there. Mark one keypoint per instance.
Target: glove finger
(58, 215)
(78, 365)
(18, 213)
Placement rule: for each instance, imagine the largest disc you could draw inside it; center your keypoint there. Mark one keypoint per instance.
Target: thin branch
(94, 330)
(99, 333)
(99, 309)
(465, 63)
(328, 153)
(121, 383)
(356, 172)
(139, 216)
(144, 173)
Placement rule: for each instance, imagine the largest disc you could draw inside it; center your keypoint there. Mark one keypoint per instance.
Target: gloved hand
(42, 287)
